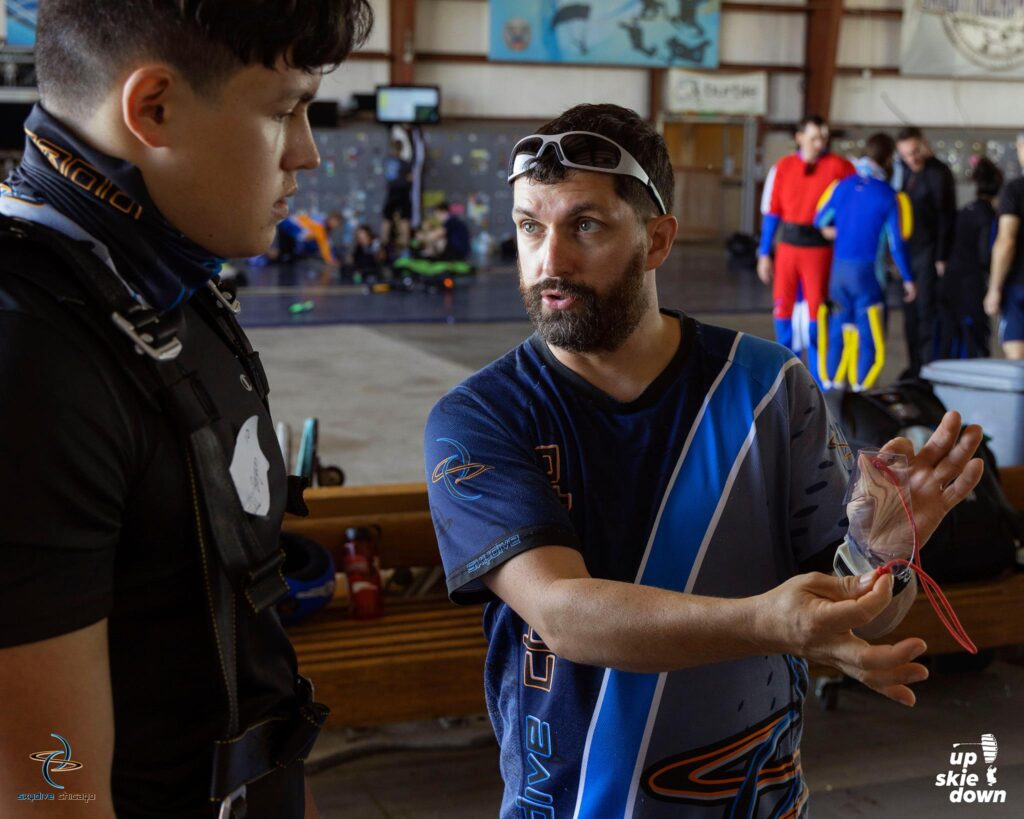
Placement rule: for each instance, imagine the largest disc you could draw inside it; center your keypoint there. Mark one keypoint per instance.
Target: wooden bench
(425, 657)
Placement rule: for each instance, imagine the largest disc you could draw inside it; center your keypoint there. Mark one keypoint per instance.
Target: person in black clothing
(1005, 296)
(930, 186)
(398, 203)
(168, 138)
(965, 329)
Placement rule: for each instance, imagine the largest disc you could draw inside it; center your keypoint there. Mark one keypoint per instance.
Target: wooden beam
(764, 8)
(656, 93)
(875, 14)
(820, 52)
(403, 56)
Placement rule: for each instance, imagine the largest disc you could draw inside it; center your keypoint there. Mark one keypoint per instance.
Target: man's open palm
(943, 473)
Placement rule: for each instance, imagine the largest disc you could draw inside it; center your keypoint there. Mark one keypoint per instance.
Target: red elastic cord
(940, 603)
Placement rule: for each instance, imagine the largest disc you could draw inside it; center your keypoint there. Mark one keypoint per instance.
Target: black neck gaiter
(107, 197)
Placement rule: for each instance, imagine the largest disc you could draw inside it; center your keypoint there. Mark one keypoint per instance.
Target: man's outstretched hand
(943, 473)
(814, 615)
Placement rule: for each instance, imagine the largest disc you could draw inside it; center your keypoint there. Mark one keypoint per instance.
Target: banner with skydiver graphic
(653, 33)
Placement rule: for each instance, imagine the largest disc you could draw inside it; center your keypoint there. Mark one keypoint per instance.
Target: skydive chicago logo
(962, 781)
(54, 762)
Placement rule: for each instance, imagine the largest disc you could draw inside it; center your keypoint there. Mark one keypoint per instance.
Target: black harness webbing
(238, 565)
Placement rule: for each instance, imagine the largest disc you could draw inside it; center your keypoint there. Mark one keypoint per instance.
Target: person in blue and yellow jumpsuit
(863, 211)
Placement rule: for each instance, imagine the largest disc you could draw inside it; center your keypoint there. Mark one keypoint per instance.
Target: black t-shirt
(99, 522)
(1011, 203)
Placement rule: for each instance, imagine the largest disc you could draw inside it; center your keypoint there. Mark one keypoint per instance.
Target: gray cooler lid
(977, 373)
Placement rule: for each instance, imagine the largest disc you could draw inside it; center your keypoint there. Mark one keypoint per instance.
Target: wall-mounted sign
(697, 92)
(655, 33)
(981, 38)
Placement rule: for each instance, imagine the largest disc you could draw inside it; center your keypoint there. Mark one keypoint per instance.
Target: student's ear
(145, 102)
(661, 233)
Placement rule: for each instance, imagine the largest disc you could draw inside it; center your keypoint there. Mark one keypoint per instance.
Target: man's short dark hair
(811, 119)
(83, 45)
(910, 132)
(988, 179)
(880, 148)
(629, 130)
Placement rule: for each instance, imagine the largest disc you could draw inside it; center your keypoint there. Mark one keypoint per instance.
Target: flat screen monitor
(409, 104)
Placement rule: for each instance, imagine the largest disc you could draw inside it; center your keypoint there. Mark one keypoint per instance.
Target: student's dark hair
(987, 177)
(82, 46)
(880, 148)
(445, 206)
(811, 119)
(629, 130)
(910, 132)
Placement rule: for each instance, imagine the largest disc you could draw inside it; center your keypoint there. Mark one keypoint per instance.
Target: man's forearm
(642, 628)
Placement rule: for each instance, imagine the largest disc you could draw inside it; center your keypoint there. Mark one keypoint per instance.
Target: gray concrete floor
(372, 387)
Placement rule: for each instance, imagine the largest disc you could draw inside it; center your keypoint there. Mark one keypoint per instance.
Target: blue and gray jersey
(721, 479)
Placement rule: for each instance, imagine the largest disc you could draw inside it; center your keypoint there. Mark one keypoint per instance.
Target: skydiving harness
(237, 566)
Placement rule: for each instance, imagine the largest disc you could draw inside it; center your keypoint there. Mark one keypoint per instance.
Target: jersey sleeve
(1011, 201)
(899, 226)
(491, 497)
(64, 467)
(827, 205)
(769, 213)
(820, 461)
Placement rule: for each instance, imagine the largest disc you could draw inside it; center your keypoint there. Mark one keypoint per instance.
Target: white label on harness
(250, 468)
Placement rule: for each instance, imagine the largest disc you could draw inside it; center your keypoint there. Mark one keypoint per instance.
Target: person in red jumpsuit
(803, 256)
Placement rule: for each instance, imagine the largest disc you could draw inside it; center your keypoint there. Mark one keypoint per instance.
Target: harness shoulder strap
(240, 567)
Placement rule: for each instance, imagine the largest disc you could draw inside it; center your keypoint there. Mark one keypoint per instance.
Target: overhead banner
(653, 33)
(963, 38)
(20, 23)
(691, 92)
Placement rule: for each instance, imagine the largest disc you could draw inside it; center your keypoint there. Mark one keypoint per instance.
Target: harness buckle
(225, 299)
(147, 342)
(233, 802)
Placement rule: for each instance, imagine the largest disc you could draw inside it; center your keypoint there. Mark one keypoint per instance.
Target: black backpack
(977, 539)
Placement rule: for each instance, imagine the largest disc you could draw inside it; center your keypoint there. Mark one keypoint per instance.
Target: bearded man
(635, 495)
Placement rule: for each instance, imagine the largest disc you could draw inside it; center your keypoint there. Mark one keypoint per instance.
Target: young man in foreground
(137, 622)
(636, 496)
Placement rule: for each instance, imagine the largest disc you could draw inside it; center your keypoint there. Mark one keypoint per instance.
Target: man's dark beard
(595, 323)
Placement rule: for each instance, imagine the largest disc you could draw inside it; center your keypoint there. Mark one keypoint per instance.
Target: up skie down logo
(458, 469)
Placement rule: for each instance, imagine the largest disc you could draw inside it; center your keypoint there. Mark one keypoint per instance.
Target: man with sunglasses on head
(635, 495)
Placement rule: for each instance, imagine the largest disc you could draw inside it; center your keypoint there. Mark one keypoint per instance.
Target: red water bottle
(359, 561)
